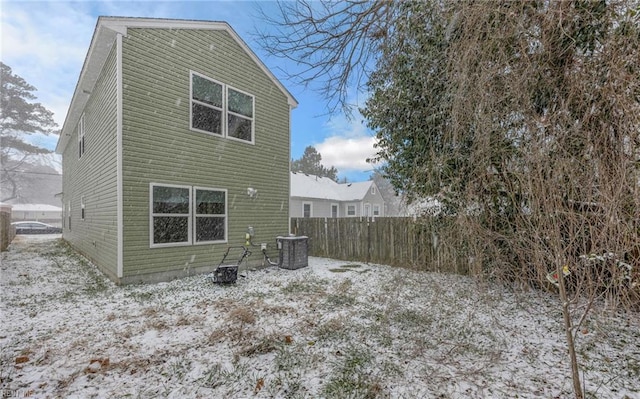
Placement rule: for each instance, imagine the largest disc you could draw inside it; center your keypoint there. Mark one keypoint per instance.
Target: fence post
(368, 240)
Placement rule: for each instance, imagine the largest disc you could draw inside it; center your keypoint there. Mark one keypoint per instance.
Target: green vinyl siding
(159, 146)
(93, 176)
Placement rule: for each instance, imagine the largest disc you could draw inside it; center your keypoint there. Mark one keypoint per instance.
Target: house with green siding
(175, 143)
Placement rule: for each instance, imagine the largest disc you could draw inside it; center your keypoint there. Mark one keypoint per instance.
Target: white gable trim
(104, 36)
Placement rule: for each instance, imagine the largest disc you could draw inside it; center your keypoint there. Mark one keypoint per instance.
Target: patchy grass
(364, 332)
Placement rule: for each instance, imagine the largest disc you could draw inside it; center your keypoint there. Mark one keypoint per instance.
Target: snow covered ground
(333, 330)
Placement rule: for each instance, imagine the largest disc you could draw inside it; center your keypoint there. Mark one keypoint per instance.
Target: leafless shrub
(554, 177)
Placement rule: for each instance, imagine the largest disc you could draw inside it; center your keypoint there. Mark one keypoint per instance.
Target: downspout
(119, 195)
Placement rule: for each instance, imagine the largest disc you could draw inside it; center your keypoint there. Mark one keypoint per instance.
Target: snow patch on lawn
(334, 329)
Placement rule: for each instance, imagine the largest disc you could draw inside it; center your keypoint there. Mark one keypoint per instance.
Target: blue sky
(45, 42)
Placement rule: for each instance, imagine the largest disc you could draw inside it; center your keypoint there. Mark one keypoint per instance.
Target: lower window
(210, 213)
(184, 215)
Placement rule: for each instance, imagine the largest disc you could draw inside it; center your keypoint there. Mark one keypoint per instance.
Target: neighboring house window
(211, 215)
(221, 110)
(177, 210)
(351, 210)
(376, 210)
(306, 210)
(373, 190)
(367, 209)
(82, 207)
(334, 210)
(81, 137)
(170, 214)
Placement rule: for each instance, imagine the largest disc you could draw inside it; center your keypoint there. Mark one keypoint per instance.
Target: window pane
(206, 91)
(205, 118)
(210, 202)
(306, 212)
(209, 229)
(240, 103)
(170, 200)
(167, 229)
(239, 127)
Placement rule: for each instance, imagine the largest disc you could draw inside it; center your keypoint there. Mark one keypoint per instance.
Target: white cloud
(347, 145)
(347, 153)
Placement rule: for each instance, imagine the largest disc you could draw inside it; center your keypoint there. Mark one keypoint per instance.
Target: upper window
(81, 136)
(373, 190)
(221, 110)
(351, 210)
(240, 115)
(183, 215)
(206, 105)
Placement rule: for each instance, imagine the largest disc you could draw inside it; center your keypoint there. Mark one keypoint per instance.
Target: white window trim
(69, 218)
(226, 214)
(310, 208)
(253, 113)
(191, 225)
(81, 134)
(224, 110)
(192, 100)
(152, 215)
(376, 208)
(337, 210)
(355, 210)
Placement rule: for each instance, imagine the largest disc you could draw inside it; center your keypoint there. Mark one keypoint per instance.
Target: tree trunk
(577, 387)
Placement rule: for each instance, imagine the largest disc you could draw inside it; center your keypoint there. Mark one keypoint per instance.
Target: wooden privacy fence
(424, 244)
(7, 232)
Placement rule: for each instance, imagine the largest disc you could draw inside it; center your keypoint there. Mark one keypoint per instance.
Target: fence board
(422, 244)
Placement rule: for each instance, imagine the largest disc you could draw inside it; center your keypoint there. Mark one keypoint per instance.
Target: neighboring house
(176, 141)
(313, 196)
(38, 212)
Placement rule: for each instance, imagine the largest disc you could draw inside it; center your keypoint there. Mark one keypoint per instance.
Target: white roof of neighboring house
(311, 186)
(35, 208)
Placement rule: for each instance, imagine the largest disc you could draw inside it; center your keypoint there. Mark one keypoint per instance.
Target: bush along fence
(429, 244)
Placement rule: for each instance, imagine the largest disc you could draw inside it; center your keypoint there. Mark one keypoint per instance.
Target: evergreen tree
(20, 117)
(310, 163)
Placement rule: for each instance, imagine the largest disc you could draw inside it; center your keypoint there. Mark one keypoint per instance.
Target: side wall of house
(89, 180)
(160, 148)
(374, 199)
(319, 208)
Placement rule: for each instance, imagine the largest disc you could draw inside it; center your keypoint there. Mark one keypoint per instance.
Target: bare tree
(334, 43)
(522, 117)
